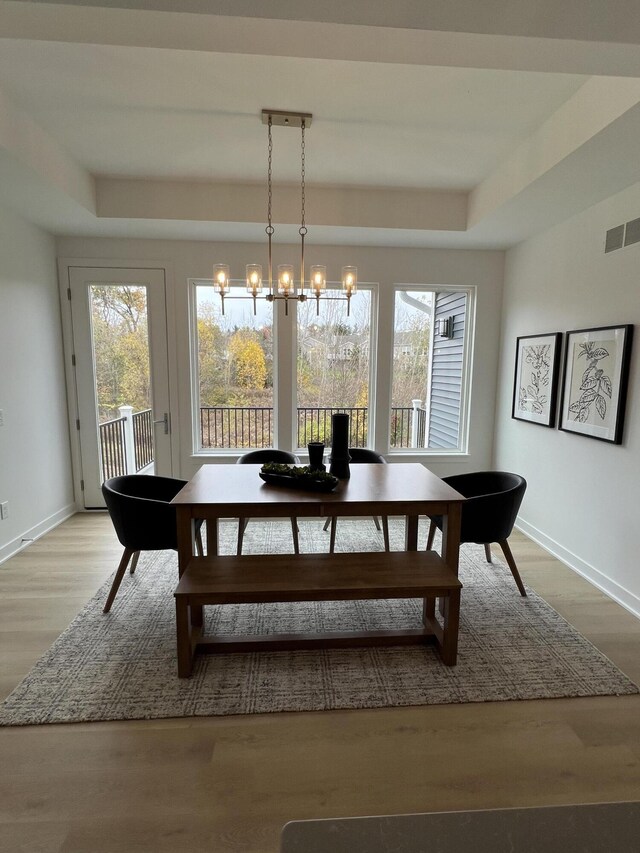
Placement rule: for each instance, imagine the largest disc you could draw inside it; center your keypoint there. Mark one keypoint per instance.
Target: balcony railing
(112, 448)
(234, 426)
(249, 428)
(143, 438)
(314, 424)
(126, 443)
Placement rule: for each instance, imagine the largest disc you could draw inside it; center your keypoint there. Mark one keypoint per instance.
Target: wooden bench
(316, 577)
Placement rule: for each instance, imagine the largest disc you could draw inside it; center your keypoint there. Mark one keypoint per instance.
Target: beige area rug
(123, 665)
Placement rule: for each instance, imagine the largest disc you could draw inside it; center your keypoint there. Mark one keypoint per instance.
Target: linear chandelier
(286, 287)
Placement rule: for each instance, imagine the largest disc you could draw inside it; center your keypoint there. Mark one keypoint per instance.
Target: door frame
(65, 264)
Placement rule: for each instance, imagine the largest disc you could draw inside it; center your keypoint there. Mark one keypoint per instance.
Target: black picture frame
(594, 390)
(535, 378)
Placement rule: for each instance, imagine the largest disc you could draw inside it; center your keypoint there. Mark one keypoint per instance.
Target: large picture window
(428, 390)
(334, 368)
(327, 364)
(234, 371)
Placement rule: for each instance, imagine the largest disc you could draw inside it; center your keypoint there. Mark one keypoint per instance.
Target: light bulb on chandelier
(286, 286)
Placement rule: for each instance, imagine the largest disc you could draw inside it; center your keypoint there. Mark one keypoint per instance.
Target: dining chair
(358, 455)
(489, 513)
(143, 518)
(269, 454)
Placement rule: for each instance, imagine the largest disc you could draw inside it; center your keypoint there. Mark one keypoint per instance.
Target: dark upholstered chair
(489, 513)
(360, 454)
(259, 457)
(144, 520)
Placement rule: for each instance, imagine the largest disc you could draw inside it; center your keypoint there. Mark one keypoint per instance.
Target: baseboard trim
(618, 593)
(38, 530)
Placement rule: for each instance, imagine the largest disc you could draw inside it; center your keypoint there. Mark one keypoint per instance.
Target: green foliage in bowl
(301, 472)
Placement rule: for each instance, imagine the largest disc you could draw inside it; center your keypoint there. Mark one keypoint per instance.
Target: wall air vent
(614, 238)
(632, 232)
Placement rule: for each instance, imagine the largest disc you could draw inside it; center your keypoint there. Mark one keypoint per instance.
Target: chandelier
(286, 287)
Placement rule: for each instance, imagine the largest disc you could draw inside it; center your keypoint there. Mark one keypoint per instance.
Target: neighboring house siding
(446, 373)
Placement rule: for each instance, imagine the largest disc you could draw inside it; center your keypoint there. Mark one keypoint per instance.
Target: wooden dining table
(236, 491)
(228, 491)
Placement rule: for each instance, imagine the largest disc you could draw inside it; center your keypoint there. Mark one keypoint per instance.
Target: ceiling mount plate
(284, 118)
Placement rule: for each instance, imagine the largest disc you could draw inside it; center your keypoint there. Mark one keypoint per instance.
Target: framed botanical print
(535, 384)
(594, 382)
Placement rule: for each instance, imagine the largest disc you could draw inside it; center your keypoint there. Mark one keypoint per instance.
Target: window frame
(467, 361)
(373, 288)
(196, 450)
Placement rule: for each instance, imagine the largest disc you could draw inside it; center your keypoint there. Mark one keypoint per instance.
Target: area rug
(122, 666)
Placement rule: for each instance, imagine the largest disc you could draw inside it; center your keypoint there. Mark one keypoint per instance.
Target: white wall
(184, 259)
(583, 495)
(35, 463)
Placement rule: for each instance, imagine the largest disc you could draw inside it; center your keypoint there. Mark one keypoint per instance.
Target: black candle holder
(316, 454)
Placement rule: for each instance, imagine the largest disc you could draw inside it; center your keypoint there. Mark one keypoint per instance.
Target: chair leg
(512, 565)
(122, 568)
(242, 525)
(376, 522)
(385, 532)
(294, 532)
(332, 536)
(199, 545)
(327, 523)
(431, 535)
(487, 551)
(134, 562)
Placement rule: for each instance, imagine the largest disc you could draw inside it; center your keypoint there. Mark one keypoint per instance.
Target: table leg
(411, 533)
(451, 537)
(212, 536)
(451, 542)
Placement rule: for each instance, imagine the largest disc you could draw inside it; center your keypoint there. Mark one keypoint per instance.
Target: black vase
(316, 453)
(340, 457)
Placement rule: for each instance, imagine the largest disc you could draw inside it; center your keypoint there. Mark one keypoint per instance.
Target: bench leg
(183, 637)
(451, 625)
(428, 610)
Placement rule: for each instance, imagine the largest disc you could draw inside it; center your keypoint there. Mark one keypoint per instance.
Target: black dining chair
(361, 454)
(489, 513)
(259, 457)
(143, 518)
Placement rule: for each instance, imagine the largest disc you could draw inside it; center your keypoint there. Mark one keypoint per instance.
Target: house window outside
(429, 379)
(334, 367)
(234, 371)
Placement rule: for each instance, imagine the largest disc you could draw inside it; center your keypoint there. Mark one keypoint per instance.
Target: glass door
(121, 368)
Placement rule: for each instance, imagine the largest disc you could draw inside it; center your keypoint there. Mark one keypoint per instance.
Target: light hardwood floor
(231, 783)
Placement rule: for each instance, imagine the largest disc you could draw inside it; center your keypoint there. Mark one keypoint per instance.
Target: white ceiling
(111, 94)
(149, 113)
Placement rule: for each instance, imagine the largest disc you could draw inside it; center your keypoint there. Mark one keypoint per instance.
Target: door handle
(166, 420)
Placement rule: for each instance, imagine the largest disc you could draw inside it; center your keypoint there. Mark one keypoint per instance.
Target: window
(234, 356)
(429, 367)
(334, 367)
(327, 364)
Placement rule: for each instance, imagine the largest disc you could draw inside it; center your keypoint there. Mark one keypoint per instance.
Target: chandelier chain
(269, 171)
(303, 229)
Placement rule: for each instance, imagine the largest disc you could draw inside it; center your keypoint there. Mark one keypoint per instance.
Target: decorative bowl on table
(297, 477)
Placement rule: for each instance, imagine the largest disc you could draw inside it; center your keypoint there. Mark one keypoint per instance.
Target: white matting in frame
(594, 382)
(535, 382)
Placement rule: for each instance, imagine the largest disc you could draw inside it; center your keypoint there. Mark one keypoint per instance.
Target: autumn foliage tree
(121, 348)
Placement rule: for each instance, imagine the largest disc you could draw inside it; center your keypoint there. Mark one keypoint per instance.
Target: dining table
(230, 491)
